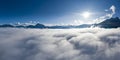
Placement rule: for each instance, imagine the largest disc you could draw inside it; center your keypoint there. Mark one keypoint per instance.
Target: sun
(86, 14)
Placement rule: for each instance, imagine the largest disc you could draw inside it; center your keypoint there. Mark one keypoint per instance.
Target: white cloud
(107, 15)
(59, 44)
(113, 9)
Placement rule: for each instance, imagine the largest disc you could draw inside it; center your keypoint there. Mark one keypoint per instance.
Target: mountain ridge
(108, 23)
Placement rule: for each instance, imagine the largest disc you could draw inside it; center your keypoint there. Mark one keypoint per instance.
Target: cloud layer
(59, 44)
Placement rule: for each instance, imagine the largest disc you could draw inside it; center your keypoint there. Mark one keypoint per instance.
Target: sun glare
(86, 14)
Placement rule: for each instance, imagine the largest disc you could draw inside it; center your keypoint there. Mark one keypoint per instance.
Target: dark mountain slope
(110, 23)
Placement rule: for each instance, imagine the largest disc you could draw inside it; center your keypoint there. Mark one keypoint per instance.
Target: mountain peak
(110, 23)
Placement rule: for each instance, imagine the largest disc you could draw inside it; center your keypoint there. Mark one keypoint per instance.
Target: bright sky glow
(86, 14)
(57, 11)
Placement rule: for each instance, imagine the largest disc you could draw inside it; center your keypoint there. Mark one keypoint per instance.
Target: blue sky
(55, 11)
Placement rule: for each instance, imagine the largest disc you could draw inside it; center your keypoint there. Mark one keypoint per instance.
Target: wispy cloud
(107, 15)
(113, 9)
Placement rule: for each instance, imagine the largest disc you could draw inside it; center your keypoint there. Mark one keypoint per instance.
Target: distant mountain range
(109, 23)
(38, 25)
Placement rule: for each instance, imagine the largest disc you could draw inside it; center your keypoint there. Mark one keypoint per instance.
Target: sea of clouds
(59, 44)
